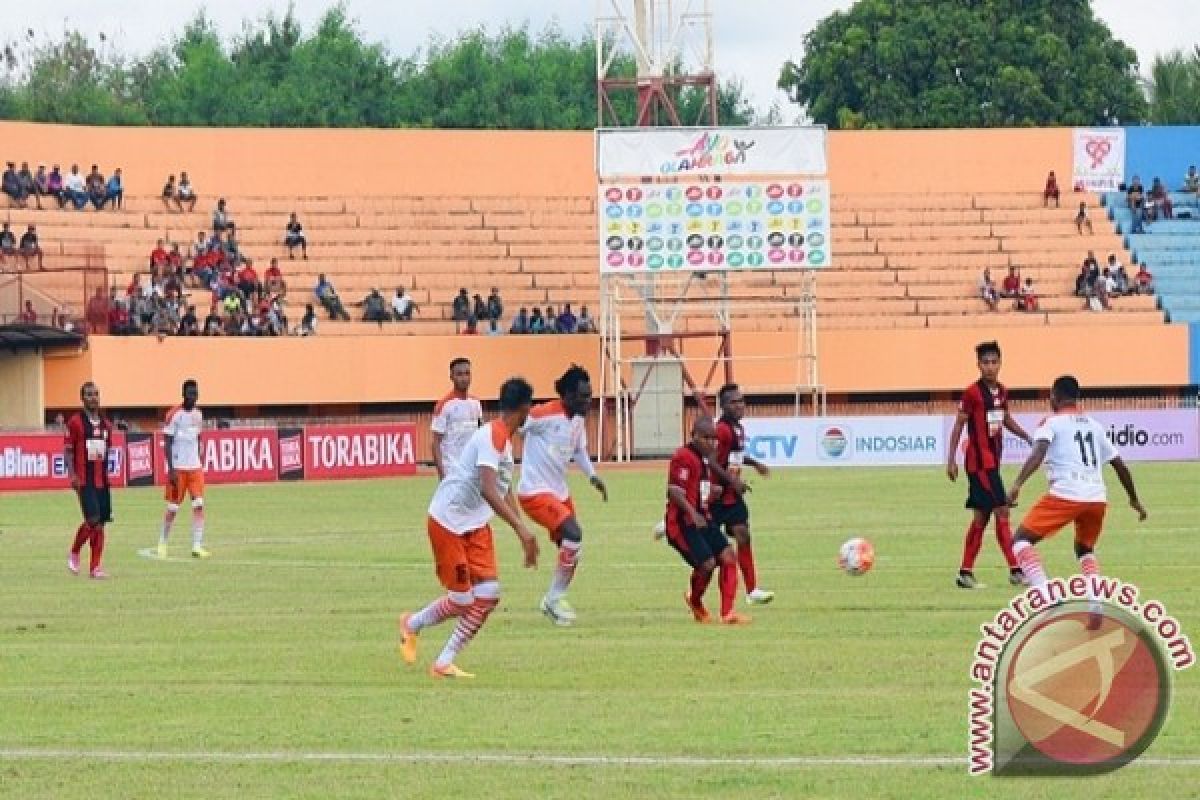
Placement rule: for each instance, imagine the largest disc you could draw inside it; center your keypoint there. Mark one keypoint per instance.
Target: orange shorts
(462, 561)
(548, 511)
(1051, 514)
(187, 481)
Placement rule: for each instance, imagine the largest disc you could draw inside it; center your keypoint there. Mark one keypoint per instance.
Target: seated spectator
(1135, 194)
(495, 310)
(247, 282)
(537, 323)
(308, 323)
(551, 321)
(294, 237)
(114, 190)
(1138, 218)
(220, 219)
(1162, 200)
(74, 188)
(1051, 192)
(54, 186)
(29, 185)
(185, 195)
(1028, 300)
(329, 299)
(402, 305)
(8, 242)
(1081, 282)
(567, 321)
(1082, 220)
(230, 244)
(29, 316)
(97, 187)
(479, 308)
(1143, 280)
(1011, 288)
(95, 314)
(1119, 275)
(273, 280)
(212, 322)
(1191, 181)
(30, 248)
(277, 321)
(471, 328)
(987, 291)
(1100, 293)
(520, 323)
(170, 194)
(159, 257)
(586, 323)
(188, 324)
(119, 320)
(375, 308)
(11, 185)
(461, 306)
(175, 260)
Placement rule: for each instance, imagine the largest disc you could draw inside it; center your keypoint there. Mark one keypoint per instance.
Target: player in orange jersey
(185, 468)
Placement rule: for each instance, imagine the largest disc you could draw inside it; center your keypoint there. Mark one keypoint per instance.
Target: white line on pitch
(516, 759)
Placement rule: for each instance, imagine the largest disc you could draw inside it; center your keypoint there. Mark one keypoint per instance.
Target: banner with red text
(36, 461)
(1099, 159)
(359, 451)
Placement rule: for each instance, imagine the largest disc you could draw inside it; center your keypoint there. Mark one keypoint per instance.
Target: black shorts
(728, 516)
(700, 544)
(96, 504)
(985, 490)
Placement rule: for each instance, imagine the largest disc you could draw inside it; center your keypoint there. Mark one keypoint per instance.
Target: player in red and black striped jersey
(691, 481)
(983, 412)
(729, 508)
(88, 441)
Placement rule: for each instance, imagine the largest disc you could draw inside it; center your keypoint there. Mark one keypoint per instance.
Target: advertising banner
(703, 227)
(291, 454)
(359, 451)
(246, 455)
(36, 461)
(846, 441)
(688, 152)
(1099, 159)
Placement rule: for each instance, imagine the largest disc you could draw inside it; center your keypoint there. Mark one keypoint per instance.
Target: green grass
(284, 642)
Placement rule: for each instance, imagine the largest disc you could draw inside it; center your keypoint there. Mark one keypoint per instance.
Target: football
(856, 556)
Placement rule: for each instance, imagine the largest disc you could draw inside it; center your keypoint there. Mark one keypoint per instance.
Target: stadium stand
(1170, 248)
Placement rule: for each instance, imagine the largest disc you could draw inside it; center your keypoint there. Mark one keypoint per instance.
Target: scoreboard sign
(768, 225)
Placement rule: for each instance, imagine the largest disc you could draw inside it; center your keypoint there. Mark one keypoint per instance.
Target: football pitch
(271, 670)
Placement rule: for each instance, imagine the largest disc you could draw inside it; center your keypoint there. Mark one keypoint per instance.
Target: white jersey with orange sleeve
(552, 441)
(1076, 456)
(184, 428)
(456, 417)
(458, 504)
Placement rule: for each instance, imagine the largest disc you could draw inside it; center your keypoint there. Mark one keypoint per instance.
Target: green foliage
(946, 63)
(275, 75)
(1175, 89)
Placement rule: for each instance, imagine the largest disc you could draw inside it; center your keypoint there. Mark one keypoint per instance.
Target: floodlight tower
(672, 45)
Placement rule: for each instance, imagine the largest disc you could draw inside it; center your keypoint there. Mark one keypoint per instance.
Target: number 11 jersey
(1077, 455)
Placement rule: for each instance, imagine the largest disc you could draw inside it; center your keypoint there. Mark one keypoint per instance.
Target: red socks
(97, 547)
(971, 545)
(81, 538)
(728, 583)
(1005, 538)
(745, 558)
(700, 581)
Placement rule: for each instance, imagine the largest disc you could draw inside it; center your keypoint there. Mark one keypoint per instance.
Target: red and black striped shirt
(90, 462)
(985, 409)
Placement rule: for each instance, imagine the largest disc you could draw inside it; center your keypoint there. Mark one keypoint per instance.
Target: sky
(752, 38)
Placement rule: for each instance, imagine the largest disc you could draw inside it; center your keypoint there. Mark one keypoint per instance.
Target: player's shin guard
(487, 597)
(728, 581)
(1005, 537)
(197, 523)
(97, 546)
(168, 521)
(971, 545)
(564, 571)
(452, 604)
(745, 559)
(1031, 563)
(82, 535)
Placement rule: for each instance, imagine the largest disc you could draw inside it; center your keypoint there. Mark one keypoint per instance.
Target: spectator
(8, 242)
(170, 194)
(119, 320)
(308, 324)
(159, 257)
(212, 323)
(29, 247)
(402, 306)
(1110, 283)
(1011, 288)
(221, 220)
(230, 246)
(586, 323)
(97, 187)
(329, 299)
(188, 324)
(567, 321)
(114, 190)
(987, 291)
(1135, 194)
(537, 323)
(495, 310)
(479, 308)
(294, 237)
(1162, 200)
(551, 321)
(1191, 181)
(1051, 191)
(11, 185)
(1028, 300)
(29, 316)
(96, 312)
(185, 195)
(1120, 280)
(1100, 299)
(520, 323)
(1083, 220)
(54, 186)
(1138, 217)
(1144, 281)
(461, 306)
(1081, 282)
(247, 283)
(472, 326)
(277, 321)
(273, 280)
(375, 308)
(28, 185)
(74, 188)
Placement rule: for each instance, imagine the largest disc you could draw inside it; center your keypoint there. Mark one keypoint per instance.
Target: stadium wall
(1164, 152)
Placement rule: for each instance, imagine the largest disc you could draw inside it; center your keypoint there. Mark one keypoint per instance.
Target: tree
(946, 63)
(1175, 89)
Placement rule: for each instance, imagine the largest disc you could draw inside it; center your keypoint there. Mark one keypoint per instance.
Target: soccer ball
(856, 557)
